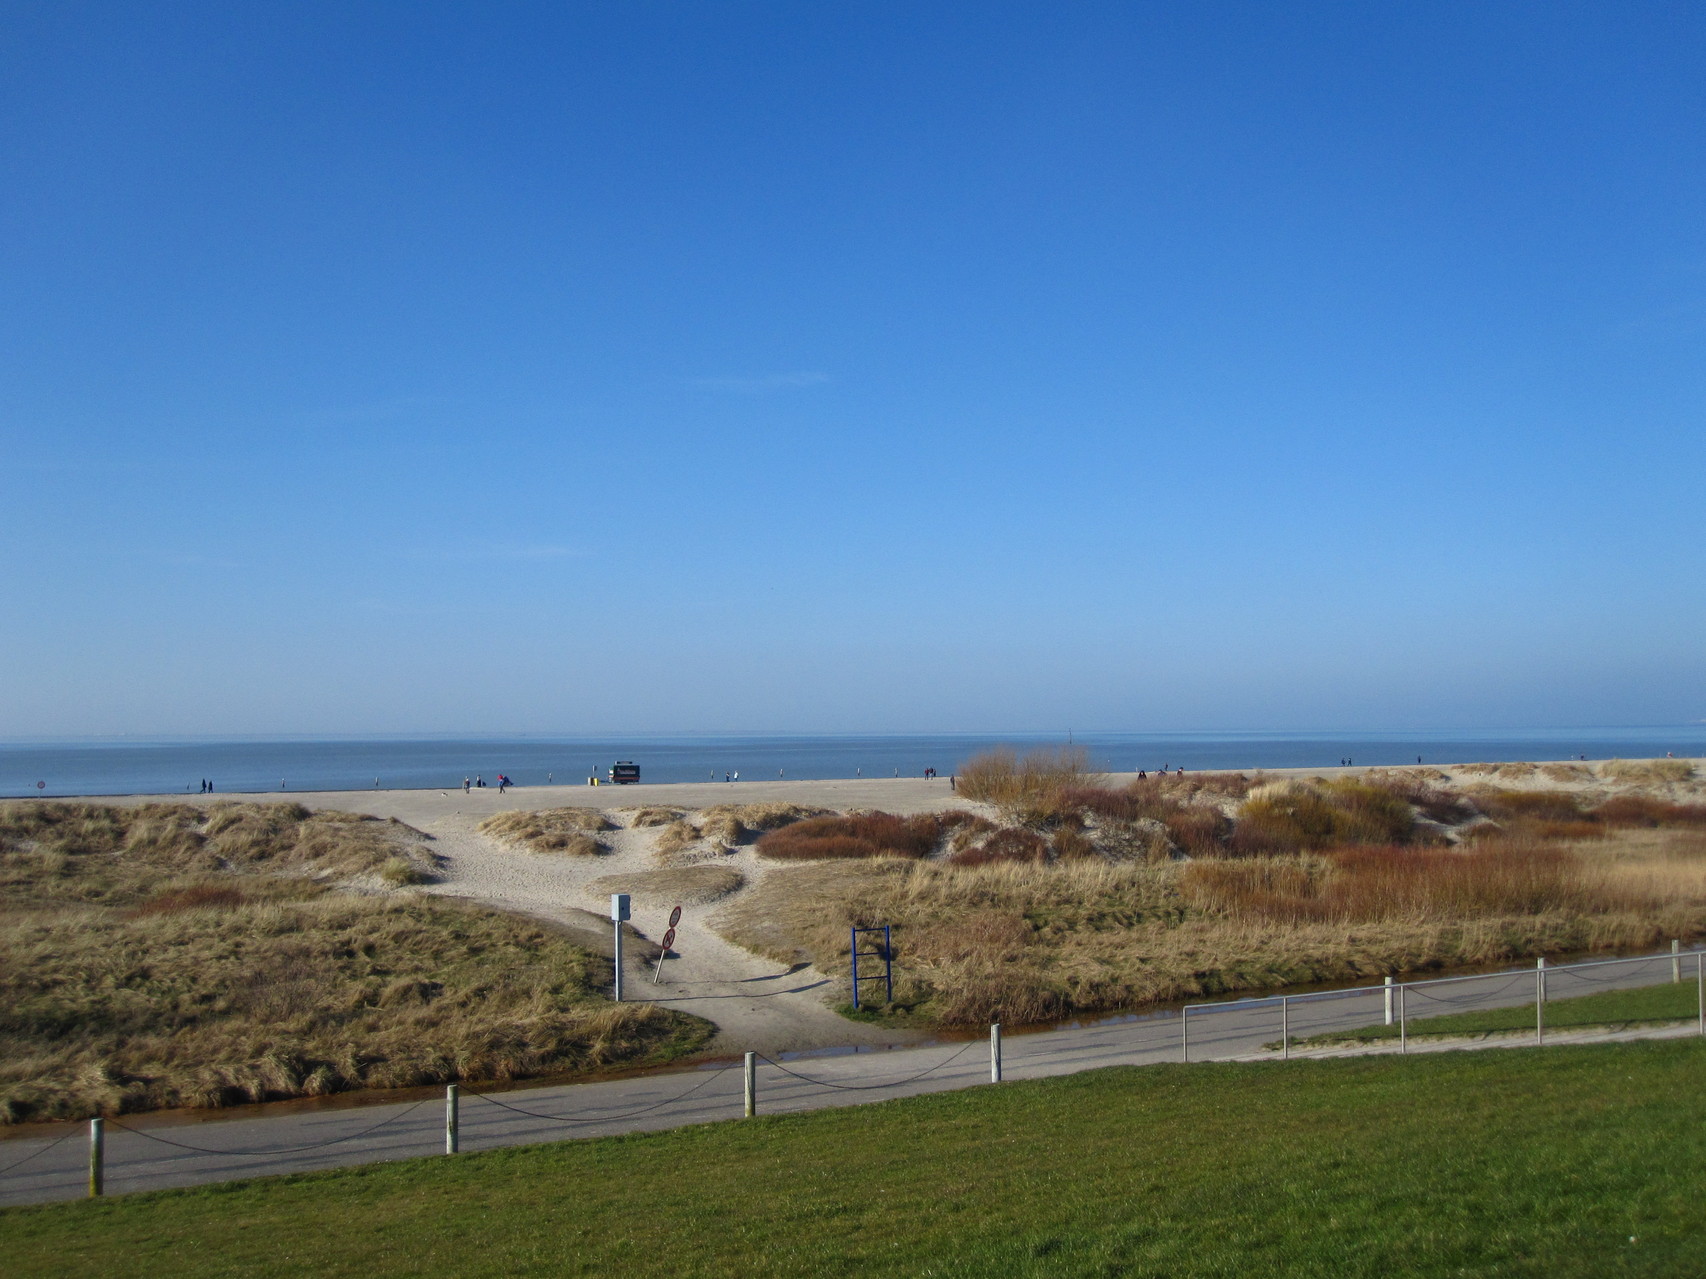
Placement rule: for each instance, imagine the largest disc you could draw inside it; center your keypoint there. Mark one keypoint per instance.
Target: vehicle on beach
(624, 771)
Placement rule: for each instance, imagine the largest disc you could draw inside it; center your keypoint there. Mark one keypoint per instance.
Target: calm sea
(131, 767)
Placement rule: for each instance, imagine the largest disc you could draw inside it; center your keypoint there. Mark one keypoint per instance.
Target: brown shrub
(1009, 844)
(857, 835)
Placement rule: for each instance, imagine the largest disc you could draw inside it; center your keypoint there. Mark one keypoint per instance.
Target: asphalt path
(151, 1152)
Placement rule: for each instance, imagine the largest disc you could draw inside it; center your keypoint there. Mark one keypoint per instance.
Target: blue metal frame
(886, 954)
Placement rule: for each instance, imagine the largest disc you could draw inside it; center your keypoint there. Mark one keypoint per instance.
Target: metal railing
(1236, 1027)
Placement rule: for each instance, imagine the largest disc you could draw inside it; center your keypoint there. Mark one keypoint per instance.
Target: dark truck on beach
(624, 771)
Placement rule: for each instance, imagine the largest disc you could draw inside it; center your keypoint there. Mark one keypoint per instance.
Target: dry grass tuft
(654, 817)
(687, 886)
(737, 823)
(551, 830)
(1029, 787)
(1294, 816)
(677, 837)
(1647, 771)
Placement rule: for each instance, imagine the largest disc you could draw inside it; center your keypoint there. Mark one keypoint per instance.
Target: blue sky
(834, 367)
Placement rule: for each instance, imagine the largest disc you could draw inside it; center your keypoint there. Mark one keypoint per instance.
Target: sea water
(132, 766)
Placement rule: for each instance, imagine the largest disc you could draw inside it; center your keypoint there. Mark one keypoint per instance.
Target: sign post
(618, 913)
(668, 941)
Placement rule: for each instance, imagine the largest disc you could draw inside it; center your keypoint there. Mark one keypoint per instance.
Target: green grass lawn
(1581, 1161)
(1669, 1002)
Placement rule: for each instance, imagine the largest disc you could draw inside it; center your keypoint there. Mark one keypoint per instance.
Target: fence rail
(1241, 1031)
(1269, 1027)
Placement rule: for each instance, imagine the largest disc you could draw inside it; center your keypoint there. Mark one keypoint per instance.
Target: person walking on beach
(502, 783)
(737, 774)
(465, 785)
(725, 778)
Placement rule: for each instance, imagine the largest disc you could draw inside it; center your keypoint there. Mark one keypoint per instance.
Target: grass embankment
(1670, 1002)
(1570, 1162)
(169, 955)
(1074, 898)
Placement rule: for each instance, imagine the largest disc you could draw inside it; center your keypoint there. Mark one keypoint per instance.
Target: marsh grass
(159, 956)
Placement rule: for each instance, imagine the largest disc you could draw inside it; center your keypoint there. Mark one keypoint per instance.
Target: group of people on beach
(206, 787)
(479, 783)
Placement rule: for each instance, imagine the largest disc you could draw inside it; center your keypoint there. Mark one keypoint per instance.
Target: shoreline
(905, 794)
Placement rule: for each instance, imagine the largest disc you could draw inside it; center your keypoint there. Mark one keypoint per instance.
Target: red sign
(675, 917)
(669, 939)
(43, 786)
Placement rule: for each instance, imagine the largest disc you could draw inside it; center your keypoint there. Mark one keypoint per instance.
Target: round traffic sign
(669, 939)
(675, 917)
(43, 786)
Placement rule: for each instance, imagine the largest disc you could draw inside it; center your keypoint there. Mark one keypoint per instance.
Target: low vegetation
(687, 886)
(857, 835)
(1648, 770)
(1572, 1163)
(1075, 898)
(166, 955)
(551, 830)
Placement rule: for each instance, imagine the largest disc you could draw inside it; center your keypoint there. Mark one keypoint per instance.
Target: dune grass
(161, 955)
(1569, 1163)
(1647, 770)
(686, 886)
(551, 830)
(1667, 1002)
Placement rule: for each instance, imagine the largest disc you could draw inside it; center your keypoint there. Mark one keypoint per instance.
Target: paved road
(152, 1152)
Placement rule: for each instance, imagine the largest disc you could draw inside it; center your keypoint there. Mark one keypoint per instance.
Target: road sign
(668, 941)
